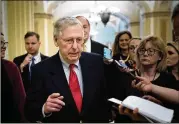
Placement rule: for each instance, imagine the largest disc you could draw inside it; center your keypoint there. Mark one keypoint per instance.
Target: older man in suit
(69, 86)
(32, 57)
(90, 45)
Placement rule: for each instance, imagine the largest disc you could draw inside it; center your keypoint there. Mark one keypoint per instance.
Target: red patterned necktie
(75, 87)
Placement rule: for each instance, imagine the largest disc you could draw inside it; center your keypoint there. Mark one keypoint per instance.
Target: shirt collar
(66, 64)
(37, 56)
(88, 41)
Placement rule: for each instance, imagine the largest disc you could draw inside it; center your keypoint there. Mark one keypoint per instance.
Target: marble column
(159, 24)
(135, 28)
(44, 26)
(20, 19)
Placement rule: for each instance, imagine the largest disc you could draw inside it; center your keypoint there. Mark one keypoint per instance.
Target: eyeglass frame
(3, 43)
(72, 41)
(148, 52)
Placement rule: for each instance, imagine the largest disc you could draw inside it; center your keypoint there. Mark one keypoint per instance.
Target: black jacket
(25, 74)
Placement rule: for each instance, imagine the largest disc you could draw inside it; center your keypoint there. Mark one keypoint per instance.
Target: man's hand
(143, 85)
(54, 103)
(26, 61)
(107, 61)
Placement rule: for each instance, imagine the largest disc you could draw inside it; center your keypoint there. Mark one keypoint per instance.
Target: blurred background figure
(133, 45)
(121, 46)
(12, 90)
(32, 57)
(175, 21)
(173, 58)
(89, 44)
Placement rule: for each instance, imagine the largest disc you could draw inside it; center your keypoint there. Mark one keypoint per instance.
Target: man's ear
(55, 41)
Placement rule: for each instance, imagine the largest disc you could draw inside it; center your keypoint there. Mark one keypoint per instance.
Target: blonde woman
(151, 61)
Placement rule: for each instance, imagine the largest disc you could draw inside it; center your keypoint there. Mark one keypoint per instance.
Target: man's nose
(74, 44)
(30, 45)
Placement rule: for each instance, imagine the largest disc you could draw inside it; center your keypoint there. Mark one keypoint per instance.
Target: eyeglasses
(4, 44)
(72, 40)
(150, 51)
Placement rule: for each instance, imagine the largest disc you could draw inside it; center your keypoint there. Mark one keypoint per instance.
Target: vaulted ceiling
(130, 9)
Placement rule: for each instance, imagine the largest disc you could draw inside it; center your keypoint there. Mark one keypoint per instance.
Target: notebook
(146, 108)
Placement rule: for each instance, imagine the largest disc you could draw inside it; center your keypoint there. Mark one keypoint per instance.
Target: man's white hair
(64, 23)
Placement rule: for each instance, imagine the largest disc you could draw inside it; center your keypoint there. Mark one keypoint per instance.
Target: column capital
(43, 15)
(157, 14)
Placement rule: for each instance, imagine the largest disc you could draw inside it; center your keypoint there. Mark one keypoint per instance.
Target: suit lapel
(59, 80)
(88, 83)
(26, 68)
(42, 56)
(92, 46)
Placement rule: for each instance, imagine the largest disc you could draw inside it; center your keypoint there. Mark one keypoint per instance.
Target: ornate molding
(43, 15)
(156, 14)
(134, 23)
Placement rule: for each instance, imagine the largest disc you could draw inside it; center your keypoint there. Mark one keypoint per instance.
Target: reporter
(173, 59)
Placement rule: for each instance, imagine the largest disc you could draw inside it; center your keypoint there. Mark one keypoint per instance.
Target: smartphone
(107, 53)
(121, 64)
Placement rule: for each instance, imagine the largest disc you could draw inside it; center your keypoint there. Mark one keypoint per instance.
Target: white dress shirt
(37, 59)
(66, 68)
(88, 45)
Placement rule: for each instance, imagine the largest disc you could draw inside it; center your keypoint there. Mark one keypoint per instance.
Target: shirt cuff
(45, 115)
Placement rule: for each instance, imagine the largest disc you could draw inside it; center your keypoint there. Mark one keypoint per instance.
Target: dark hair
(2, 34)
(31, 33)
(136, 38)
(84, 18)
(175, 11)
(116, 48)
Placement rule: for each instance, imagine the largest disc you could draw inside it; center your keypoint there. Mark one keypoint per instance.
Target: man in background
(32, 57)
(90, 45)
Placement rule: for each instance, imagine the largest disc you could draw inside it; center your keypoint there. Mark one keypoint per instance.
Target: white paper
(149, 109)
(115, 101)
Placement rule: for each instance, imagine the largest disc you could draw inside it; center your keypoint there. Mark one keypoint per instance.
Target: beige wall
(20, 19)
(135, 29)
(159, 24)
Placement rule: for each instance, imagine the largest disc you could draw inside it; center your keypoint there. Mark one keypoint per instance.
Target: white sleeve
(45, 115)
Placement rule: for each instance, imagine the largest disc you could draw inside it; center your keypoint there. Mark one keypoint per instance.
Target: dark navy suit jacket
(48, 77)
(25, 74)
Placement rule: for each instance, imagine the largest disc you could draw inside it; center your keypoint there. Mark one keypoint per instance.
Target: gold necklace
(125, 59)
